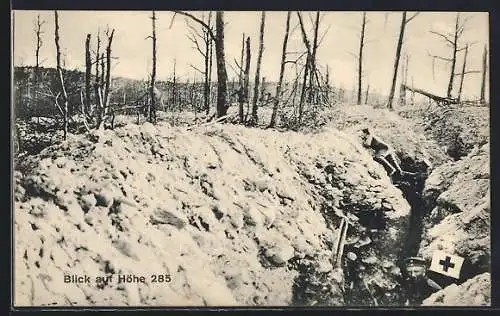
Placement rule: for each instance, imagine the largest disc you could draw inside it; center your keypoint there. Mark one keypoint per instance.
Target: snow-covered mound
(217, 215)
(459, 222)
(413, 148)
(474, 292)
(458, 129)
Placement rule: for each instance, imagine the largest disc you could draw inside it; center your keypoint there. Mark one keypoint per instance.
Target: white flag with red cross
(446, 264)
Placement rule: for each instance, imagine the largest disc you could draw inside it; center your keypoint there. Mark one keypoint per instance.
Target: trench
(412, 189)
(363, 294)
(355, 291)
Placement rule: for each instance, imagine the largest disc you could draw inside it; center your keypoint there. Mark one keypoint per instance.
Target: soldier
(417, 286)
(384, 154)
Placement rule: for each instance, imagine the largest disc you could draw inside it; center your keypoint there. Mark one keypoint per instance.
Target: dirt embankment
(457, 200)
(458, 129)
(459, 221)
(231, 214)
(474, 292)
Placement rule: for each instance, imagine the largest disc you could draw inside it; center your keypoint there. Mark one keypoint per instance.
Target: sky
(340, 32)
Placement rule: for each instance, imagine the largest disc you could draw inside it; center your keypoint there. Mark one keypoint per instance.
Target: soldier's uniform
(417, 287)
(384, 153)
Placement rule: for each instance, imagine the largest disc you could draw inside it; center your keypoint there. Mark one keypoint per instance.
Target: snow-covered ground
(222, 214)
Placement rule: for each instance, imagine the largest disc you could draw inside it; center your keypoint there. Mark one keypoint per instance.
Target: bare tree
(218, 38)
(257, 70)
(97, 78)
(103, 79)
(204, 50)
(208, 64)
(367, 93)
(241, 79)
(174, 86)
(88, 74)
(306, 68)
(404, 84)
(103, 72)
(246, 77)
(313, 58)
(38, 33)
(152, 96)
(221, 64)
(107, 79)
(360, 56)
(483, 75)
(464, 72)
(262, 90)
(452, 40)
(404, 21)
(60, 74)
(282, 70)
(39, 43)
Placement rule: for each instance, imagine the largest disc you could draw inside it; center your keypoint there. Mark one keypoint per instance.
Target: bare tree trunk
(464, 65)
(295, 86)
(174, 87)
(60, 74)
(454, 57)
(208, 66)
(405, 80)
(306, 69)
(403, 84)
(107, 81)
(313, 59)
(483, 75)
(257, 70)
(412, 95)
(396, 60)
(152, 111)
(103, 72)
(360, 56)
(88, 74)
(39, 43)
(367, 92)
(282, 71)
(241, 98)
(221, 65)
(210, 61)
(96, 81)
(246, 78)
(262, 90)
(327, 84)
(304, 88)
(220, 56)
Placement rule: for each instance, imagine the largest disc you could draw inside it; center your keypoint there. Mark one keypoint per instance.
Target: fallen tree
(436, 98)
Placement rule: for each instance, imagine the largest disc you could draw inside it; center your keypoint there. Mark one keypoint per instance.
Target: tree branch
(192, 66)
(205, 25)
(324, 34)
(172, 21)
(238, 65)
(194, 30)
(468, 72)
(233, 69)
(193, 39)
(412, 17)
(304, 35)
(441, 58)
(352, 54)
(449, 41)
